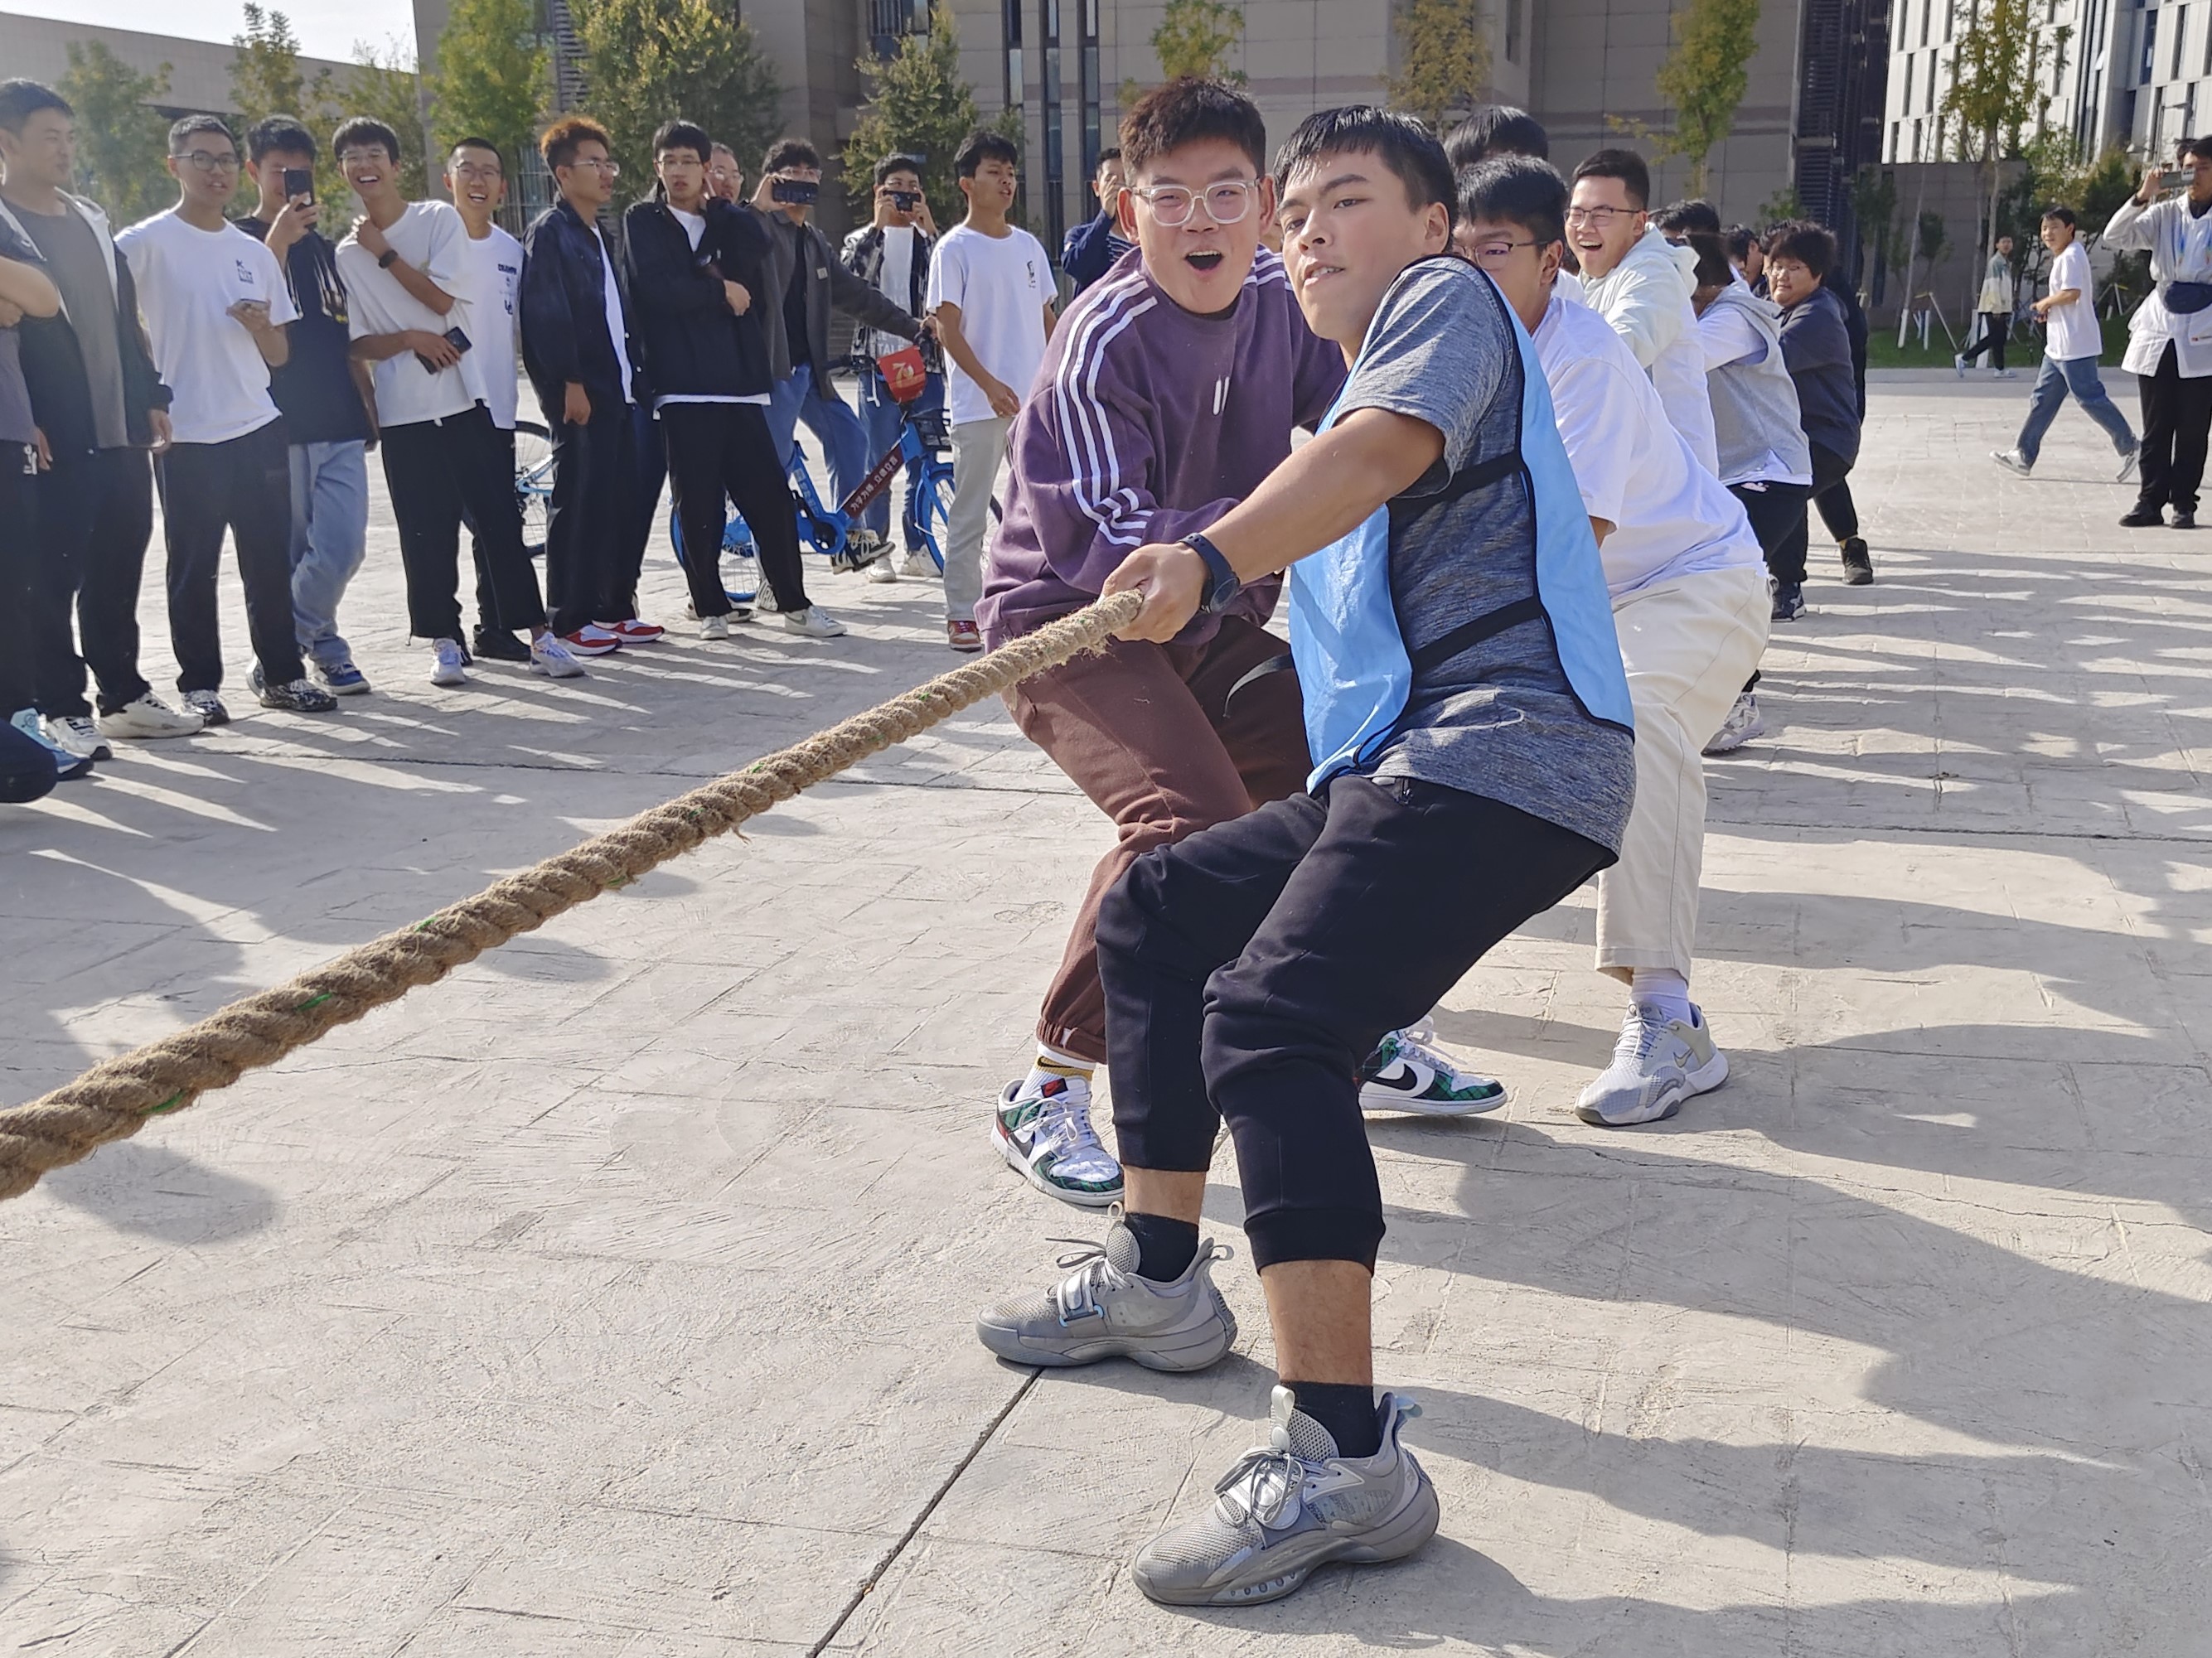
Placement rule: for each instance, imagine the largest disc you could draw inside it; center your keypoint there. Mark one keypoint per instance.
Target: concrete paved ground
(614, 1297)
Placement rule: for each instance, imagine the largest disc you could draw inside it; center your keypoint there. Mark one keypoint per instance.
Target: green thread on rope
(169, 1104)
(312, 1001)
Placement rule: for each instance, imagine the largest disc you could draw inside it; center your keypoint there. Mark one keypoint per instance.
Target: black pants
(244, 486)
(594, 530)
(1250, 968)
(1777, 511)
(95, 516)
(19, 554)
(1837, 510)
(1991, 339)
(487, 598)
(1786, 561)
(718, 449)
(2176, 415)
(436, 471)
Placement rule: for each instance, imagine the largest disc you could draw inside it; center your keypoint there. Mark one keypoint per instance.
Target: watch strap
(1221, 583)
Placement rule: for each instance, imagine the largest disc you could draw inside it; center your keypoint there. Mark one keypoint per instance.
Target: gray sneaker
(1656, 1064)
(2128, 462)
(1290, 1506)
(1102, 1309)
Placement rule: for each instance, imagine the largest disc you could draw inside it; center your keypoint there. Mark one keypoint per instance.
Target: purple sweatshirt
(1146, 422)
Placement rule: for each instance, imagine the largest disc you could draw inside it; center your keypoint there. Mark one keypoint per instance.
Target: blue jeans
(829, 417)
(330, 538)
(2078, 376)
(883, 415)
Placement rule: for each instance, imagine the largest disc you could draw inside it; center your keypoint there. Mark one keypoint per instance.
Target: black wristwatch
(1221, 582)
(387, 259)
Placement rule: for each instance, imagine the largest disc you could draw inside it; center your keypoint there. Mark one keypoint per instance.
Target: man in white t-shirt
(216, 303)
(1689, 605)
(405, 267)
(991, 290)
(2070, 351)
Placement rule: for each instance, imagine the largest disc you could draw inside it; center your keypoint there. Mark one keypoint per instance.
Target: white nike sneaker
(1657, 1063)
(1042, 1129)
(813, 623)
(1408, 1073)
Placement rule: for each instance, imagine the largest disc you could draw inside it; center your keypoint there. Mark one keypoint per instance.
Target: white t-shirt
(1670, 516)
(430, 236)
(2073, 331)
(1001, 284)
(610, 296)
(187, 279)
(491, 284)
(895, 280)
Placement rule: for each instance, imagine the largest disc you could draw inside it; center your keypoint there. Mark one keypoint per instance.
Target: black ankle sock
(1166, 1247)
(1346, 1410)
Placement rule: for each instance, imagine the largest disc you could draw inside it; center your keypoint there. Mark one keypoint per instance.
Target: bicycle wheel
(933, 507)
(534, 482)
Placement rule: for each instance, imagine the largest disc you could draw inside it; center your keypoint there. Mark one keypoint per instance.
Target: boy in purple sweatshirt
(1166, 394)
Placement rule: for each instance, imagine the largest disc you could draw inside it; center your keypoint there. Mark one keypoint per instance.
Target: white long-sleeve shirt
(2181, 244)
(1646, 298)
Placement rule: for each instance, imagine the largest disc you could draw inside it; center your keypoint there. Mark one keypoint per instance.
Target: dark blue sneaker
(341, 678)
(1789, 600)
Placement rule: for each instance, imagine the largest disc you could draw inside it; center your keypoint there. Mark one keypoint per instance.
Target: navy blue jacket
(564, 317)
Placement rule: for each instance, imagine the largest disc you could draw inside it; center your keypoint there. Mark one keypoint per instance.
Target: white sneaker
(2011, 461)
(2128, 462)
(447, 667)
(882, 570)
(918, 564)
(550, 657)
(148, 717)
(1042, 1129)
(67, 762)
(2006, 375)
(713, 626)
(1657, 1063)
(813, 622)
(745, 572)
(76, 733)
(1959, 364)
(1743, 723)
(1409, 1072)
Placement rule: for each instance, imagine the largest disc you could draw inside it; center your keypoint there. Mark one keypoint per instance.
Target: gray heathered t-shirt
(16, 426)
(79, 267)
(1499, 718)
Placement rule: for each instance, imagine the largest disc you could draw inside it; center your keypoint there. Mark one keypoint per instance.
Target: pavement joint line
(890, 1558)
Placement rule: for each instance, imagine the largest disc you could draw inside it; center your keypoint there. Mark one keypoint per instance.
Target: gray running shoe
(1656, 1064)
(1102, 1309)
(1743, 723)
(1290, 1506)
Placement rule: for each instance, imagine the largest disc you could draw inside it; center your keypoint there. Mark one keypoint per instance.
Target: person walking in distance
(216, 304)
(1816, 348)
(2170, 336)
(1992, 314)
(1096, 246)
(405, 269)
(991, 293)
(324, 394)
(578, 345)
(99, 405)
(2072, 343)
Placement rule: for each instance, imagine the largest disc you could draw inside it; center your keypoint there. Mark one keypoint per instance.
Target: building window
(1055, 144)
(1935, 68)
(1896, 137)
(1916, 141)
(2150, 48)
(1016, 82)
(1927, 18)
(1512, 31)
(1907, 104)
(2180, 35)
(1090, 89)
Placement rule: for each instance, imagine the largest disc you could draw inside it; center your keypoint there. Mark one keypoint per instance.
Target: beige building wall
(199, 71)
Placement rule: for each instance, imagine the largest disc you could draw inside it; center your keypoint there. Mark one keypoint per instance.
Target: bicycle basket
(904, 375)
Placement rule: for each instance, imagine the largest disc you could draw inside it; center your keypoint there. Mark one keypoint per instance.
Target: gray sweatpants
(978, 448)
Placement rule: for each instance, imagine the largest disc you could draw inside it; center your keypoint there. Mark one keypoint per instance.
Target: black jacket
(830, 287)
(53, 366)
(694, 346)
(564, 329)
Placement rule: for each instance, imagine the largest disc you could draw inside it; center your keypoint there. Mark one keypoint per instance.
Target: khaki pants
(1688, 645)
(978, 448)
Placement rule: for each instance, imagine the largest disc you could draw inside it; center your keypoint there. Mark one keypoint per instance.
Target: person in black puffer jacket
(696, 282)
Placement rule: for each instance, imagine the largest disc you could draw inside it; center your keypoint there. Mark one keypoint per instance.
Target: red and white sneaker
(632, 631)
(964, 635)
(591, 639)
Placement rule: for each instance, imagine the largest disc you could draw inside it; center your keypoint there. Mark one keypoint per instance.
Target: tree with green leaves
(265, 76)
(1197, 37)
(1703, 77)
(918, 104)
(1998, 90)
(649, 61)
(493, 76)
(1444, 59)
(382, 85)
(121, 138)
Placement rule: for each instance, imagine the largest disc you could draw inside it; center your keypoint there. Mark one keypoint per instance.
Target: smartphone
(797, 191)
(906, 200)
(298, 182)
(455, 339)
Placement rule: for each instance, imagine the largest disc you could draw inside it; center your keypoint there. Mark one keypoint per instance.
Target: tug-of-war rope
(113, 1101)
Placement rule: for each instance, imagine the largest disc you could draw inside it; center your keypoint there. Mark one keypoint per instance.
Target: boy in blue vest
(1466, 700)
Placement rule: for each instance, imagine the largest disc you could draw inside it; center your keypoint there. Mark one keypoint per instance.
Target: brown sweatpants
(1166, 740)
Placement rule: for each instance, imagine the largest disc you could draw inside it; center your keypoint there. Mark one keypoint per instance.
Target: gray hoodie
(1756, 424)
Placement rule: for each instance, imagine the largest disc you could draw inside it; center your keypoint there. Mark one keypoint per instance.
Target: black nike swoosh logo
(1405, 1082)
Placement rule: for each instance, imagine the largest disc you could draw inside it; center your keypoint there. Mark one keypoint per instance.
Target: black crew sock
(1166, 1247)
(1346, 1410)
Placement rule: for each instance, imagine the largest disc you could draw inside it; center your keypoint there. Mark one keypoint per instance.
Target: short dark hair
(899, 161)
(1625, 165)
(1714, 270)
(474, 143)
(2065, 215)
(683, 135)
(1111, 152)
(20, 99)
(2200, 148)
(1497, 130)
(286, 133)
(1406, 147)
(559, 142)
(791, 152)
(1740, 239)
(1516, 190)
(1811, 246)
(1185, 112)
(361, 130)
(1687, 218)
(980, 146)
(182, 131)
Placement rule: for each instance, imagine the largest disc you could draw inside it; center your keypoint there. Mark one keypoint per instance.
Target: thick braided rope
(111, 1101)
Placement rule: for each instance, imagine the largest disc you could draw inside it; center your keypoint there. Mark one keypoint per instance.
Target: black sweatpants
(719, 449)
(1250, 968)
(594, 528)
(1786, 561)
(436, 470)
(245, 486)
(1995, 325)
(95, 519)
(19, 553)
(2177, 415)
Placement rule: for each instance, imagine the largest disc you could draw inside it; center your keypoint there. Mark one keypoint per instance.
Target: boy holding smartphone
(405, 265)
